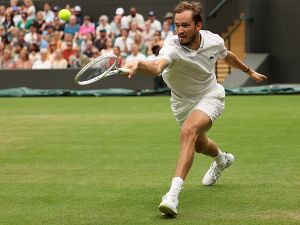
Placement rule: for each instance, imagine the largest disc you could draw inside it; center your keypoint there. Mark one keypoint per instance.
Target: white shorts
(212, 104)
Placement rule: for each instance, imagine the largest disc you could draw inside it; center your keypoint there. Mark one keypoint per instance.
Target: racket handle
(124, 70)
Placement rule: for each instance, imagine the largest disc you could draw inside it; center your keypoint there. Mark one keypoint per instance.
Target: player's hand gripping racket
(102, 66)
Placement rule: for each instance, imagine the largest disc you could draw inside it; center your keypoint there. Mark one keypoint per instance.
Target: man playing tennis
(187, 64)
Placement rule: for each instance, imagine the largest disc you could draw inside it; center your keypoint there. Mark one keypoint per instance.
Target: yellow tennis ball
(64, 14)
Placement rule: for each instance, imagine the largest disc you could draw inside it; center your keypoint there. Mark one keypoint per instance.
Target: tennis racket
(101, 67)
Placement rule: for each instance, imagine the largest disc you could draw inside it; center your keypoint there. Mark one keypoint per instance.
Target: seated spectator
(14, 35)
(79, 17)
(56, 37)
(68, 7)
(155, 50)
(17, 14)
(95, 52)
(31, 36)
(135, 54)
(21, 40)
(154, 23)
(16, 52)
(42, 63)
(2, 31)
(2, 14)
(148, 34)
(24, 62)
(51, 50)
(49, 34)
(59, 62)
(100, 44)
(120, 22)
(85, 28)
(24, 23)
(102, 24)
(5, 41)
(169, 18)
(40, 41)
(139, 41)
(8, 23)
(108, 47)
(133, 30)
(124, 43)
(79, 59)
(2, 47)
(72, 28)
(7, 62)
(138, 18)
(88, 51)
(69, 50)
(34, 52)
(59, 27)
(157, 41)
(29, 8)
(13, 3)
(48, 13)
(55, 10)
(166, 33)
(68, 37)
(40, 21)
(121, 60)
(89, 37)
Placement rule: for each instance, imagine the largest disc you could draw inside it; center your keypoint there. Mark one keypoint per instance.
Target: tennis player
(187, 64)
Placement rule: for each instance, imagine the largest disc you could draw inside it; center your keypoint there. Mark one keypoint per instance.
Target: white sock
(177, 182)
(220, 158)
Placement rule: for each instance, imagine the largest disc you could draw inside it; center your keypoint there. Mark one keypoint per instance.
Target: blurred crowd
(33, 38)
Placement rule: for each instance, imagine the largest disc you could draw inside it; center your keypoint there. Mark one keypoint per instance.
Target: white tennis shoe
(215, 170)
(169, 203)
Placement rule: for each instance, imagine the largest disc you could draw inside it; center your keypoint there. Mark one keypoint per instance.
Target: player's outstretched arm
(232, 60)
(148, 68)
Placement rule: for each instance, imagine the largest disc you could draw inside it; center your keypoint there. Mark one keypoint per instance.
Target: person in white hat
(103, 24)
(79, 17)
(169, 18)
(120, 22)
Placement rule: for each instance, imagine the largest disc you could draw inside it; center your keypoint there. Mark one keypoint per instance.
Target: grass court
(109, 160)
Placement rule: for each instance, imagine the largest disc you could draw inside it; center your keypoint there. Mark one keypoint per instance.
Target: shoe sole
(166, 210)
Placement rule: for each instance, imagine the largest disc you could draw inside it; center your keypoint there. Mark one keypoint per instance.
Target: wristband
(247, 70)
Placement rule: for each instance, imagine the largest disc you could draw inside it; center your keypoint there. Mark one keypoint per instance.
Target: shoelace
(214, 170)
(173, 194)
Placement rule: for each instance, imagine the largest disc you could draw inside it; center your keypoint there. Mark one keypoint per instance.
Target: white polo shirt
(191, 74)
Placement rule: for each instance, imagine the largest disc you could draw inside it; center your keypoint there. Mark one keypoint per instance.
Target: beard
(190, 41)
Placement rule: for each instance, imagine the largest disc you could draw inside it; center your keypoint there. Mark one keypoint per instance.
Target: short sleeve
(223, 50)
(167, 54)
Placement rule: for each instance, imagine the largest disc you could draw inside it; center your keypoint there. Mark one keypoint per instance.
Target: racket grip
(124, 70)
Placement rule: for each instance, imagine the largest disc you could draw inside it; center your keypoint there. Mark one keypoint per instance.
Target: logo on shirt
(212, 57)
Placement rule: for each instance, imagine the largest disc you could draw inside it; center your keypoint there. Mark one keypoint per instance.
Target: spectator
(40, 21)
(8, 23)
(29, 8)
(103, 24)
(138, 18)
(51, 50)
(169, 18)
(121, 60)
(24, 62)
(100, 44)
(59, 62)
(21, 40)
(48, 13)
(155, 50)
(14, 35)
(95, 52)
(157, 41)
(42, 63)
(34, 52)
(68, 37)
(16, 52)
(89, 37)
(135, 54)
(86, 27)
(154, 23)
(24, 23)
(68, 51)
(72, 28)
(166, 33)
(56, 10)
(108, 47)
(133, 30)
(139, 41)
(148, 34)
(79, 17)
(5, 41)
(120, 22)
(13, 3)
(59, 27)
(68, 7)
(124, 43)
(88, 50)
(79, 59)
(49, 34)
(40, 41)
(31, 36)
(56, 37)
(2, 31)
(17, 15)
(2, 47)
(7, 62)
(2, 14)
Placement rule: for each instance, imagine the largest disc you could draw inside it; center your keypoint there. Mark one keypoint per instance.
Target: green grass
(110, 160)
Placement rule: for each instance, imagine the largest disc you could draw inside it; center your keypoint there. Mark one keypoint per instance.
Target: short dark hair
(195, 7)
